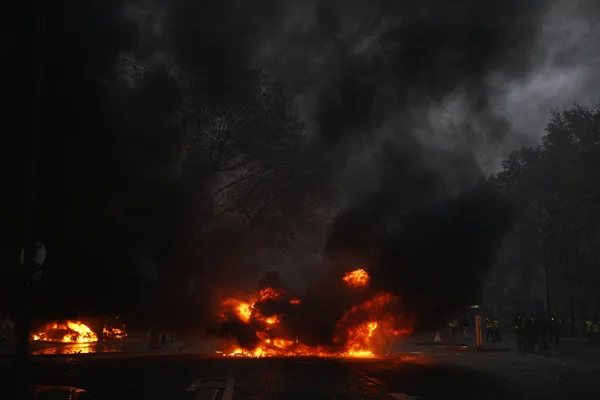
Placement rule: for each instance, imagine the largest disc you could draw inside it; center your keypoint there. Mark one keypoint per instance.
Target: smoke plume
(414, 100)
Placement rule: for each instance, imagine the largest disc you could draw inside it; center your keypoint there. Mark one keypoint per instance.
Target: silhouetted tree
(557, 187)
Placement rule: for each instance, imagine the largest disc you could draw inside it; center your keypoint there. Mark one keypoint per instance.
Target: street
(427, 374)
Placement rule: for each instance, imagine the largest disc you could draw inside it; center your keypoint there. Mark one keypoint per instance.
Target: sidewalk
(573, 348)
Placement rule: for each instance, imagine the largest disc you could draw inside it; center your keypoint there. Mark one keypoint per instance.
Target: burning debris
(116, 333)
(263, 325)
(75, 332)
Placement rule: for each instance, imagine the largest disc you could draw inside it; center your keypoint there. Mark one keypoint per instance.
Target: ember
(363, 329)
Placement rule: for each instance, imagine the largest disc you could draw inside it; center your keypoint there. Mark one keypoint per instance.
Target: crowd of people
(464, 327)
(532, 331)
(536, 332)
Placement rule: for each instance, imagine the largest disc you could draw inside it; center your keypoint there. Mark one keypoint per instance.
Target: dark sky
(415, 101)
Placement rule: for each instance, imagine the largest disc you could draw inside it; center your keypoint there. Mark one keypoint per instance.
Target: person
(539, 328)
(588, 330)
(595, 330)
(528, 331)
(452, 324)
(496, 324)
(572, 328)
(554, 331)
(544, 331)
(464, 323)
(489, 329)
(518, 325)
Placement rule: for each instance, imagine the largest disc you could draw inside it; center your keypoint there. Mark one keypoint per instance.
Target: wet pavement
(429, 374)
(168, 376)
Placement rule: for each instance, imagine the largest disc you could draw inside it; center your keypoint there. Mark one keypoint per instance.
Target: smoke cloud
(416, 100)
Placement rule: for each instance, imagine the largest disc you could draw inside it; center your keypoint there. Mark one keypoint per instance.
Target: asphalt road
(433, 376)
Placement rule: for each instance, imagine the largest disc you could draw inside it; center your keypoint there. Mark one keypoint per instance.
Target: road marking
(402, 396)
(214, 388)
(371, 379)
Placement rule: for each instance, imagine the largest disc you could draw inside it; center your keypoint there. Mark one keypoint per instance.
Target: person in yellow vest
(452, 324)
(588, 330)
(489, 330)
(595, 330)
(496, 324)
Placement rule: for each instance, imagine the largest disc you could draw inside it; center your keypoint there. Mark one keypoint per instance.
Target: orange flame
(360, 331)
(242, 309)
(68, 332)
(114, 332)
(270, 294)
(356, 278)
(74, 332)
(359, 340)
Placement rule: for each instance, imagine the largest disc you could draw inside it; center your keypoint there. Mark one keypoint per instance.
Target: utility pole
(29, 264)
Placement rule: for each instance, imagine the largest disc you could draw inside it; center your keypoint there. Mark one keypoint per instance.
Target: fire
(359, 340)
(356, 278)
(114, 332)
(363, 329)
(242, 309)
(74, 332)
(68, 332)
(271, 294)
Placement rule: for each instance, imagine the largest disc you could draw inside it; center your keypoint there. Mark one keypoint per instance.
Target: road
(432, 374)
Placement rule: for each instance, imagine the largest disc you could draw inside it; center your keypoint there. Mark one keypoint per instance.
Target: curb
(437, 344)
(483, 349)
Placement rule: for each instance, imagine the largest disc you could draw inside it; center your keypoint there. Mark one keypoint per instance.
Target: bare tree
(248, 157)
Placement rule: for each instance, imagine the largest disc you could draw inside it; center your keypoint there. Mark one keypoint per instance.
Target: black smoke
(427, 227)
(369, 69)
(435, 256)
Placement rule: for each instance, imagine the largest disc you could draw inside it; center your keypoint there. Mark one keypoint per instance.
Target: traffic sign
(39, 255)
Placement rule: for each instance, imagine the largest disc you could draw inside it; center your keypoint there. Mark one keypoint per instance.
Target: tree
(248, 158)
(557, 187)
(215, 174)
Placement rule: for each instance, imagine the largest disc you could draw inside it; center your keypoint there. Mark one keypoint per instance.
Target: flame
(359, 340)
(359, 333)
(114, 332)
(74, 332)
(271, 294)
(356, 278)
(242, 309)
(67, 332)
